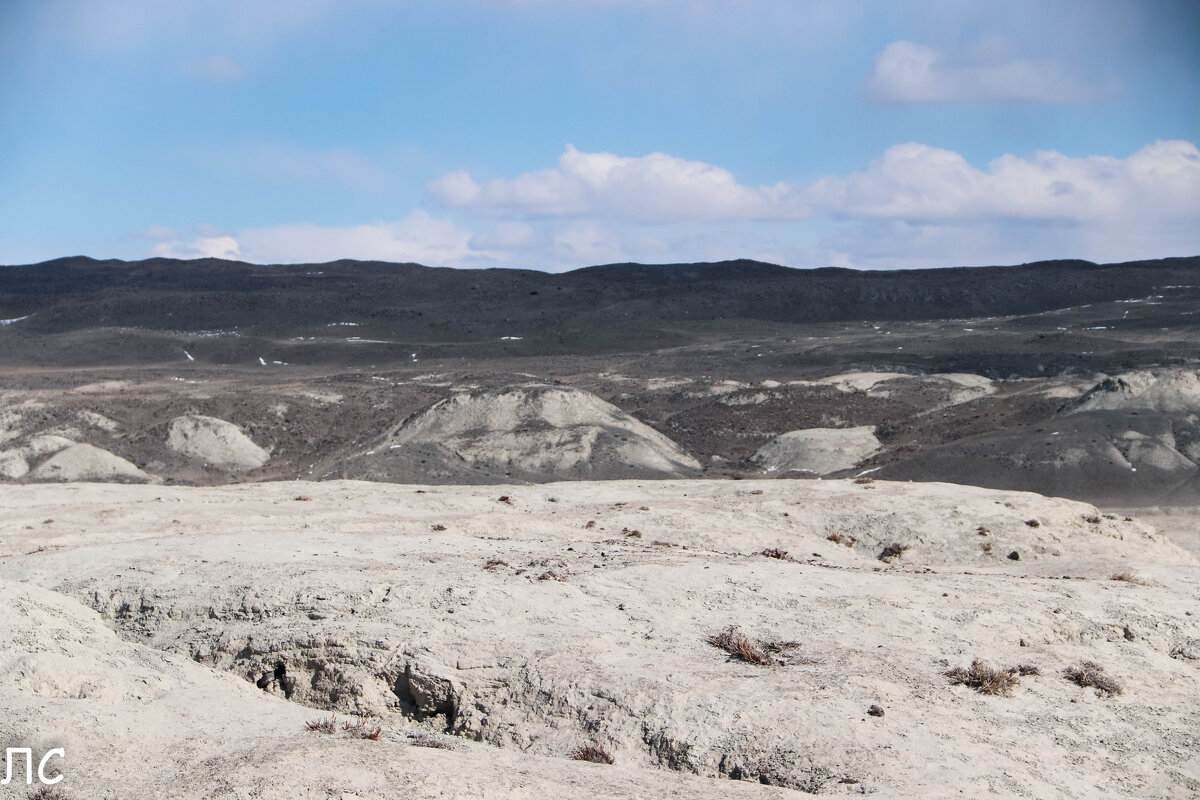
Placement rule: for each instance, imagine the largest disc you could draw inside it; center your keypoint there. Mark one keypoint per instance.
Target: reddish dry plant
(495, 563)
(634, 534)
(985, 679)
(595, 752)
(504, 499)
(1089, 673)
(591, 523)
(324, 725)
(841, 538)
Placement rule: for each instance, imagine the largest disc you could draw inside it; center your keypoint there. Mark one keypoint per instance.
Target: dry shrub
(495, 563)
(661, 543)
(1127, 577)
(739, 645)
(324, 725)
(504, 499)
(862, 479)
(439, 527)
(302, 498)
(595, 752)
(985, 679)
(1033, 523)
(634, 534)
(1028, 669)
(892, 551)
(1089, 673)
(843, 539)
(987, 547)
(775, 552)
(876, 711)
(983, 530)
(553, 575)
(1092, 519)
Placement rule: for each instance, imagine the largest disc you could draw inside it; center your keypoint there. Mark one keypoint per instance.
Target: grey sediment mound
(532, 432)
(819, 450)
(88, 463)
(214, 442)
(1174, 391)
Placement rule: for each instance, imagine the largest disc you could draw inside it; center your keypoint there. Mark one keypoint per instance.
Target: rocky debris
(214, 442)
(818, 450)
(350, 602)
(85, 462)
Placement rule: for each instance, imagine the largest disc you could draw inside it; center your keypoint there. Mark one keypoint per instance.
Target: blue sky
(554, 134)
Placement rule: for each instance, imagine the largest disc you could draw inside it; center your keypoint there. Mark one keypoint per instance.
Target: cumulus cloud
(909, 181)
(915, 205)
(906, 72)
(652, 188)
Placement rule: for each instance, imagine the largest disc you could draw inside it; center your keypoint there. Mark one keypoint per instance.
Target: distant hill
(591, 310)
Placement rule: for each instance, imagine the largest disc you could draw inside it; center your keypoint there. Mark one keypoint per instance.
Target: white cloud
(652, 188)
(200, 247)
(915, 205)
(216, 69)
(913, 73)
(419, 238)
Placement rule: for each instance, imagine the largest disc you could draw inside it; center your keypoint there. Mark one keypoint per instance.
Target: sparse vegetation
(864, 479)
(1092, 519)
(323, 725)
(843, 539)
(504, 499)
(742, 647)
(661, 543)
(439, 527)
(1127, 577)
(1028, 669)
(495, 563)
(302, 498)
(362, 727)
(983, 530)
(987, 547)
(553, 575)
(595, 752)
(893, 550)
(875, 711)
(984, 679)
(775, 552)
(1091, 674)
(1033, 523)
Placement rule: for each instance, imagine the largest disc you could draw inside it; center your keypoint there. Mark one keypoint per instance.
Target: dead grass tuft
(495, 563)
(741, 646)
(863, 479)
(1127, 577)
(985, 679)
(553, 575)
(1089, 673)
(595, 752)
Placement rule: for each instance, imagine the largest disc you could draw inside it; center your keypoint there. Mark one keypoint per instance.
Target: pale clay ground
(370, 605)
